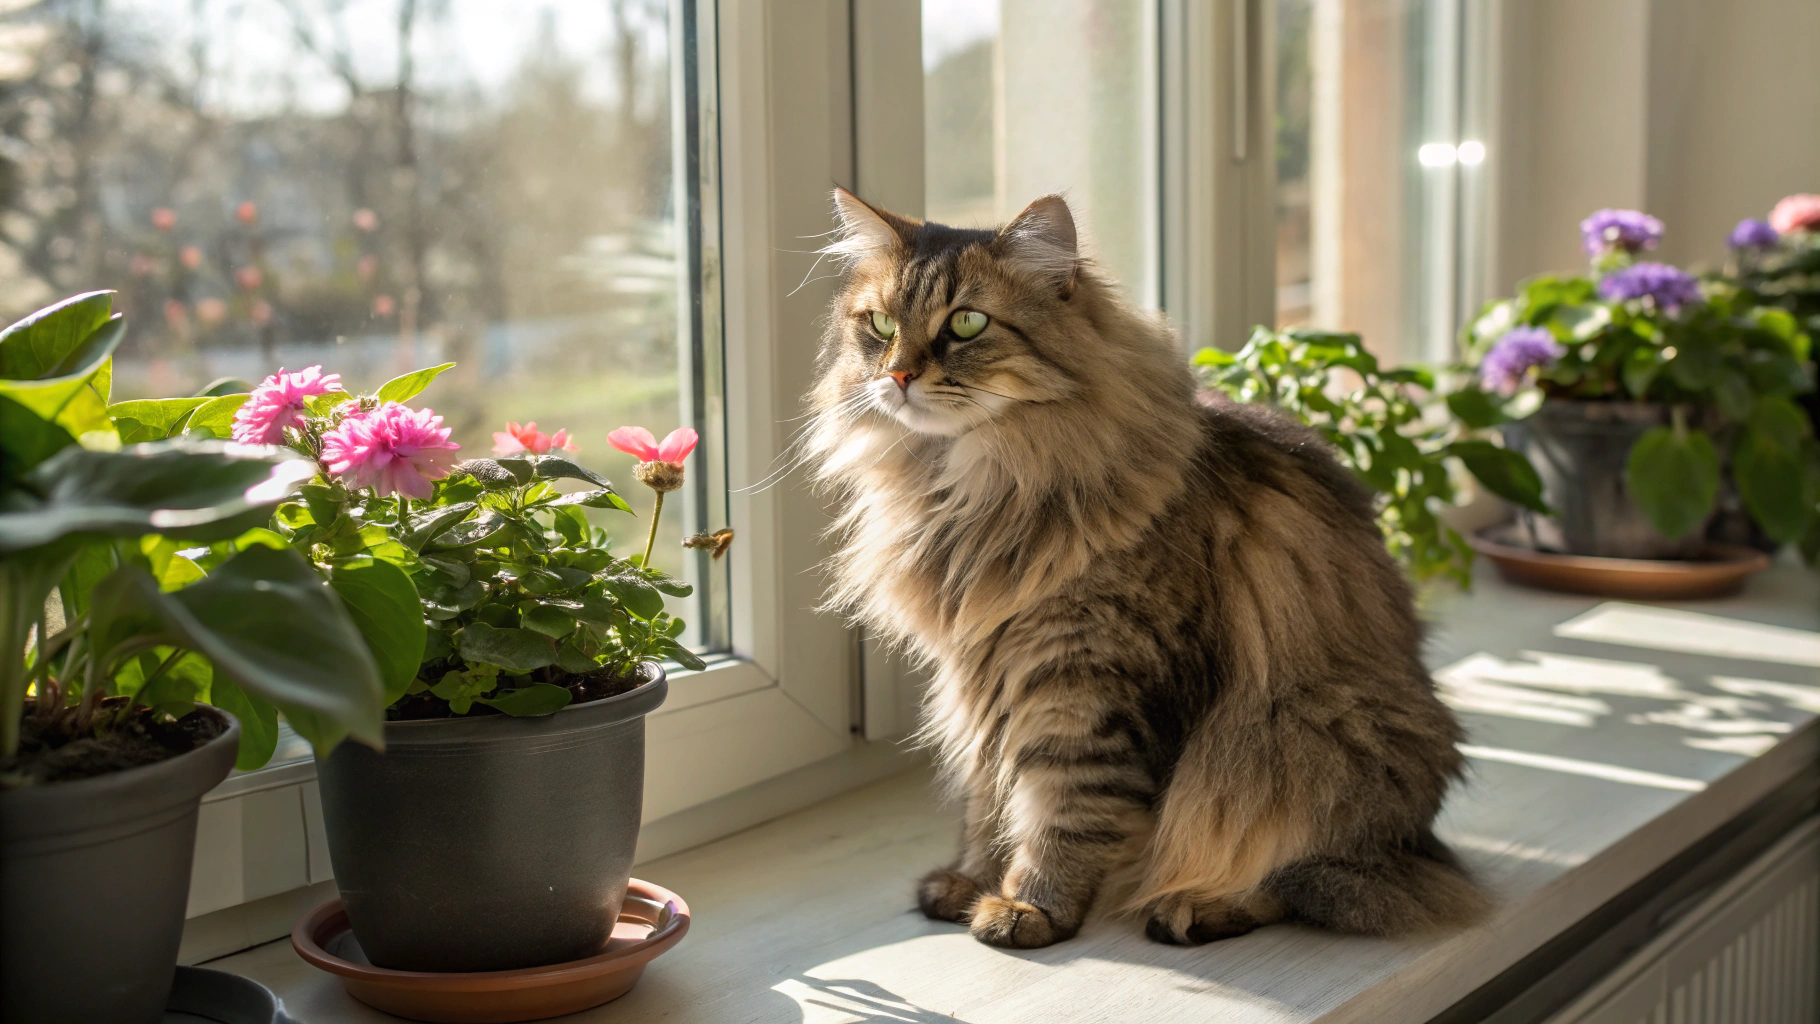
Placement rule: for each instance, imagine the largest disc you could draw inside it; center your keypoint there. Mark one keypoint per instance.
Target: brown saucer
(653, 920)
(1720, 571)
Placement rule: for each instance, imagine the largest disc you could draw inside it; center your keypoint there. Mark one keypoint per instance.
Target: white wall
(1701, 112)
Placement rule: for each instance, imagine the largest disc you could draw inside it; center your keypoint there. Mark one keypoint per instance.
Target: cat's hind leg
(1182, 919)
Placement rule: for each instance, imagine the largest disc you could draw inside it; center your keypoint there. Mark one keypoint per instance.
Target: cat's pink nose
(903, 378)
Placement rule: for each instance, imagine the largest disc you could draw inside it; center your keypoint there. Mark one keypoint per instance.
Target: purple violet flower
(1752, 233)
(1668, 287)
(1621, 230)
(1520, 350)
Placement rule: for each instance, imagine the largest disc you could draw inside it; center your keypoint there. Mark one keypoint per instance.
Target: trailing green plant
(169, 590)
(1387, 426)
(478, 582)
(1728, 364)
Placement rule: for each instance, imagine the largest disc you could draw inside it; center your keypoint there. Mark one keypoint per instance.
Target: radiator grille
(1750, 954)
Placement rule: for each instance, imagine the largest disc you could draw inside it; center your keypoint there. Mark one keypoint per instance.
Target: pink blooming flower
(528, 438)
(365, 219)
(1799, 212)
(247, 212)
(277, 403)
(164, 218)
(638, 443)
(393, 449)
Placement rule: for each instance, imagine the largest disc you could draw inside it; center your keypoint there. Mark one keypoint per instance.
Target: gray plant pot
(94, 878)
(1580, 450)
(490, 843)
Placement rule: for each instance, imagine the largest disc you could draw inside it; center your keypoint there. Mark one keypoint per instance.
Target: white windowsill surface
(1583, 781)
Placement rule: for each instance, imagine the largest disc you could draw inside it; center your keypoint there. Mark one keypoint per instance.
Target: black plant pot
(94, 878)
(1580, 450)
(490, 843)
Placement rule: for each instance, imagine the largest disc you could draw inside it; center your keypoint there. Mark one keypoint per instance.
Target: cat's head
(943, 329)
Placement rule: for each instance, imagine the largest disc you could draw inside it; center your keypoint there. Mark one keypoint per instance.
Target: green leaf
(551, 622)
(74, 395)
(517, 650)
(410, 385)
(172, 570)
(1732, 392)
(1696, 363)
(431, 524)
(1673, 480)
(521, 467)
(1640, 369)
(592, 499)
(152, 419)
(34, 347)
(190, 490)
(530, 701)
(682, 655)
(1504, 473)
(215, 417)
(385, 607)
(1213, 357)
(26, 439)
(92, 564)
(671, 585)
(267, 621)
(552, 579)
(437, 645)
(1781, 422)
(225, 386)
(1476, 407)
(555, 467)
(573, 660)
(492, 475)
(1582, 321)
(258, 719)
(635, 592)
(1774, 486)
(571, 525)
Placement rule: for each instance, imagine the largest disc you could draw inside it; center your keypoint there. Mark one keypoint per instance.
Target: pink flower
(393, 449)
(365, 219)
(190, 256)
(164, 218)
(529, 439)
(249, 277)
(367, 266)
(1799, 212)
(382, 305)
(277, 403)
(211, 311)
(247, 212)
(638, 442)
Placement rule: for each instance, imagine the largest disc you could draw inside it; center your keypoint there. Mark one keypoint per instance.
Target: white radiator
(1747, 954)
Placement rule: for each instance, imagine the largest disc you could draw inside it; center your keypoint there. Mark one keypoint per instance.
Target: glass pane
(1026, 97)
(1369, 166)
(373, 185)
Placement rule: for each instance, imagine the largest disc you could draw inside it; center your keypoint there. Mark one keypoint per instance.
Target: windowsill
(808, 917)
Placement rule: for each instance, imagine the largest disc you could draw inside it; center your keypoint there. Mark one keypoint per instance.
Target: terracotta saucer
(653, 920)
(1721, 570)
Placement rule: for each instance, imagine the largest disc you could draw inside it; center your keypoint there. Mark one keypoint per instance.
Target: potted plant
(1386, 425)
(1637, 393)
(105, 746)
(497, 829)
(1777, 262)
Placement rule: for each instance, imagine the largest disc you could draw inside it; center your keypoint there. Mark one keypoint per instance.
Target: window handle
(1241, 79)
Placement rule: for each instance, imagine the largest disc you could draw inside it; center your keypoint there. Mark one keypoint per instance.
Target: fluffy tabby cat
(1167, 642)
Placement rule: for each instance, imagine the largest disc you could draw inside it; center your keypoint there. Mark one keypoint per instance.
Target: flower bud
(661, 477)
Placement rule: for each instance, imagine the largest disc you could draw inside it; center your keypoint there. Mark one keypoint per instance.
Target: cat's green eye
(965, 323)
(884, 325)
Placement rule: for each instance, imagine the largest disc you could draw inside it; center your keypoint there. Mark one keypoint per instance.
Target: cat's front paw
(947, 895)
(1014, 924)
(1181, 920)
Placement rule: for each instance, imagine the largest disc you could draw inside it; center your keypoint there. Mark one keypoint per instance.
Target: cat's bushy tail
(1416, 888)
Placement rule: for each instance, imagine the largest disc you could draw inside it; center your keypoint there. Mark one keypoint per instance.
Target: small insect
(718, 541)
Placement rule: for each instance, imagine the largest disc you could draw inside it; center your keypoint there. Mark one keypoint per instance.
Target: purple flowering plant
(1721, 353)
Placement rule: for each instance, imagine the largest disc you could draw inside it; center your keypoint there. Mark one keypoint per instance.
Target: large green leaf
(1674, 480)
(34, 347)
(75, 396)
(215, 417)
(26, 439)
(187, 489)
(519, 650)
(152, 419)
(268, 621)
(410, 385)
(384, 605)
(635, 592)
(258, 722)
(1774, 487)
(1504, 473)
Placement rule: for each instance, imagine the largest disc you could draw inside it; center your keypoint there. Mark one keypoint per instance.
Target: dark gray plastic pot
(1580, 450)
(490, 843)
(94, 878)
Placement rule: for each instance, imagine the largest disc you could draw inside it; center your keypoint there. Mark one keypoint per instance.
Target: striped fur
(1167, 643)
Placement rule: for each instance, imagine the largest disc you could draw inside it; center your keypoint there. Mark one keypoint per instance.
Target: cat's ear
(864, 232)
(1041, 240)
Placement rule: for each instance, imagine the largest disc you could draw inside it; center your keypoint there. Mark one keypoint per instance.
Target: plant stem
(651, 541)
(1679, 414)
